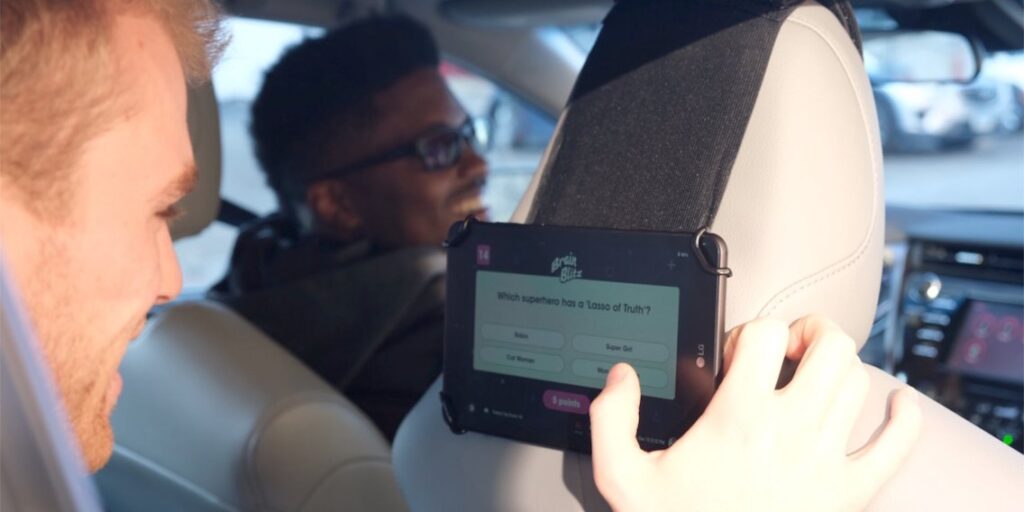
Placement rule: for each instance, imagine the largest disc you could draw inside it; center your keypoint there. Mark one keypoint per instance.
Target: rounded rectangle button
(522, 336)
(627, 349)
(649, 377)
(522, 359)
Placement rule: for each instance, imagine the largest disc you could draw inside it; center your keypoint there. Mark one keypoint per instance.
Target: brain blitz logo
(566, 268)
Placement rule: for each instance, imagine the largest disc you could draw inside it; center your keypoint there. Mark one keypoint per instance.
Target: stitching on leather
(338, 467)
(173, 476)
(833, 270)
(252, 478)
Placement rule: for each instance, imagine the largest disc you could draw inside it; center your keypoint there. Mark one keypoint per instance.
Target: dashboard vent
(874, 350)
(999, 259)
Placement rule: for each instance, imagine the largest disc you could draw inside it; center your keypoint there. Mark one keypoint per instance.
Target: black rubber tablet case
(510, 406)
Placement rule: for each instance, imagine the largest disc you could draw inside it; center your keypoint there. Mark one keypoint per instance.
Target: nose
(170, 270)
(472, 165)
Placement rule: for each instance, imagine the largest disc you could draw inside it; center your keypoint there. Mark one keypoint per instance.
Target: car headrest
(802, 210)
(216, 416)
(802, 214)
(200, 206)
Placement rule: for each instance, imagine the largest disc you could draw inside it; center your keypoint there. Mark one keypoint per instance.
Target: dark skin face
(398, 203)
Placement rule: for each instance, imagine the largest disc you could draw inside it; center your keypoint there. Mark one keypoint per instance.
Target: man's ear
(333, 209)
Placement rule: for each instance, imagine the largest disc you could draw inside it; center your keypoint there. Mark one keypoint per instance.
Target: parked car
(923, 116)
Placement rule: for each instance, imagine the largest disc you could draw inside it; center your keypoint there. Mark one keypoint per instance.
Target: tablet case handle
(703, 259)
(449, 416)
(458, 232)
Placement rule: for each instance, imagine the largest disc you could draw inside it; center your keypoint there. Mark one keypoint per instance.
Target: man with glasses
(372, 159)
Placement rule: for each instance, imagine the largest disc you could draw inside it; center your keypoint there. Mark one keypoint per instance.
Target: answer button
(598, 370)
(522, 359)
(619, 348)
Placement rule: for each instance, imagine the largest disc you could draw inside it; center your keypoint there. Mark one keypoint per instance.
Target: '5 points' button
(566, 402)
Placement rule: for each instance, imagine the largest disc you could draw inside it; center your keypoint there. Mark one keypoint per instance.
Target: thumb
(614, 417)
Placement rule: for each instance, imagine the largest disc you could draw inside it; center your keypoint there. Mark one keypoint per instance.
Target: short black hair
(322, 90)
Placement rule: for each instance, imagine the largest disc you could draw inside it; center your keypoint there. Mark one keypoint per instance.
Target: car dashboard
(950, 320)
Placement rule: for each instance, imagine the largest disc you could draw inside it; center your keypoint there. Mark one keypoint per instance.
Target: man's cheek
(126, 269)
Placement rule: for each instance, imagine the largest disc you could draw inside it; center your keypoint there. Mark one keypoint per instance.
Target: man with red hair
(94, 153)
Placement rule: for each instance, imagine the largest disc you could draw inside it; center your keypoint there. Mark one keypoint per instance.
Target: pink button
(566, 402)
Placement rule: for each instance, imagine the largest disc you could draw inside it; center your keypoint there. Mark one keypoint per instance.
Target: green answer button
(626, 349)
(522, 359)
(523, 336)
(599, 370)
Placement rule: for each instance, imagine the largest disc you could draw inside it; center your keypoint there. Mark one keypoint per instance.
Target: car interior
(216, 416)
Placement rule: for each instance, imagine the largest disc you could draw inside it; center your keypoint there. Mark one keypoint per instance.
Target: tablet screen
(573, 331)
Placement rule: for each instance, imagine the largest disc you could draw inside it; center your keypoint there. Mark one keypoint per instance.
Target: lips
(469, 206)
(469, 202)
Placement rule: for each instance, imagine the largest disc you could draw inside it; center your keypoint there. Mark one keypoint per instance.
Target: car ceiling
(997, 24)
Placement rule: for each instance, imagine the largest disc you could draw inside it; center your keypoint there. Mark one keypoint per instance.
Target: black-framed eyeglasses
(438, 149)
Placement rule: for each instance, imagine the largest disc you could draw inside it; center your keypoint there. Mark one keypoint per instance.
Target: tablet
(536, 316)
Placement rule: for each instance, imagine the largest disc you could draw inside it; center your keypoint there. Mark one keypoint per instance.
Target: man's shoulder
(375, 280)
(332, 318)
(271, 256)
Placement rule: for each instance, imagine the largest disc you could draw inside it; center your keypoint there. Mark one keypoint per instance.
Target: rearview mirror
(926, 56)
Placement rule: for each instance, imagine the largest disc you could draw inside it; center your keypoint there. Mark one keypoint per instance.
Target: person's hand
(755, 447)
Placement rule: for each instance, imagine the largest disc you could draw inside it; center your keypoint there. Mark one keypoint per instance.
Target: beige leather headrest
(803, 218)
(201, 205)
(803, 212)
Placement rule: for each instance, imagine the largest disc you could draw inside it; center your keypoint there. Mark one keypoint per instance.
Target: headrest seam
(775, 302)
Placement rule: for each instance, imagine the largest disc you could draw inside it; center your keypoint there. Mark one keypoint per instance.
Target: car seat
(803, 216)
(215, 416)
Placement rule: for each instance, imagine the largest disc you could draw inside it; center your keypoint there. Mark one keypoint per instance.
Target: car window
(946, 145)
(255, 46)
(515, 136)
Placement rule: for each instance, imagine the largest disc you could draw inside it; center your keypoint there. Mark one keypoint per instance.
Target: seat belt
(658, 112)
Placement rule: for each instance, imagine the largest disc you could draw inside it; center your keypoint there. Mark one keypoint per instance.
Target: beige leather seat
(803, 214)
(215, 416)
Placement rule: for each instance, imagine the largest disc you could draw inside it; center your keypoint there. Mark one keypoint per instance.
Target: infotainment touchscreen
(537, 316)
(990, 342)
